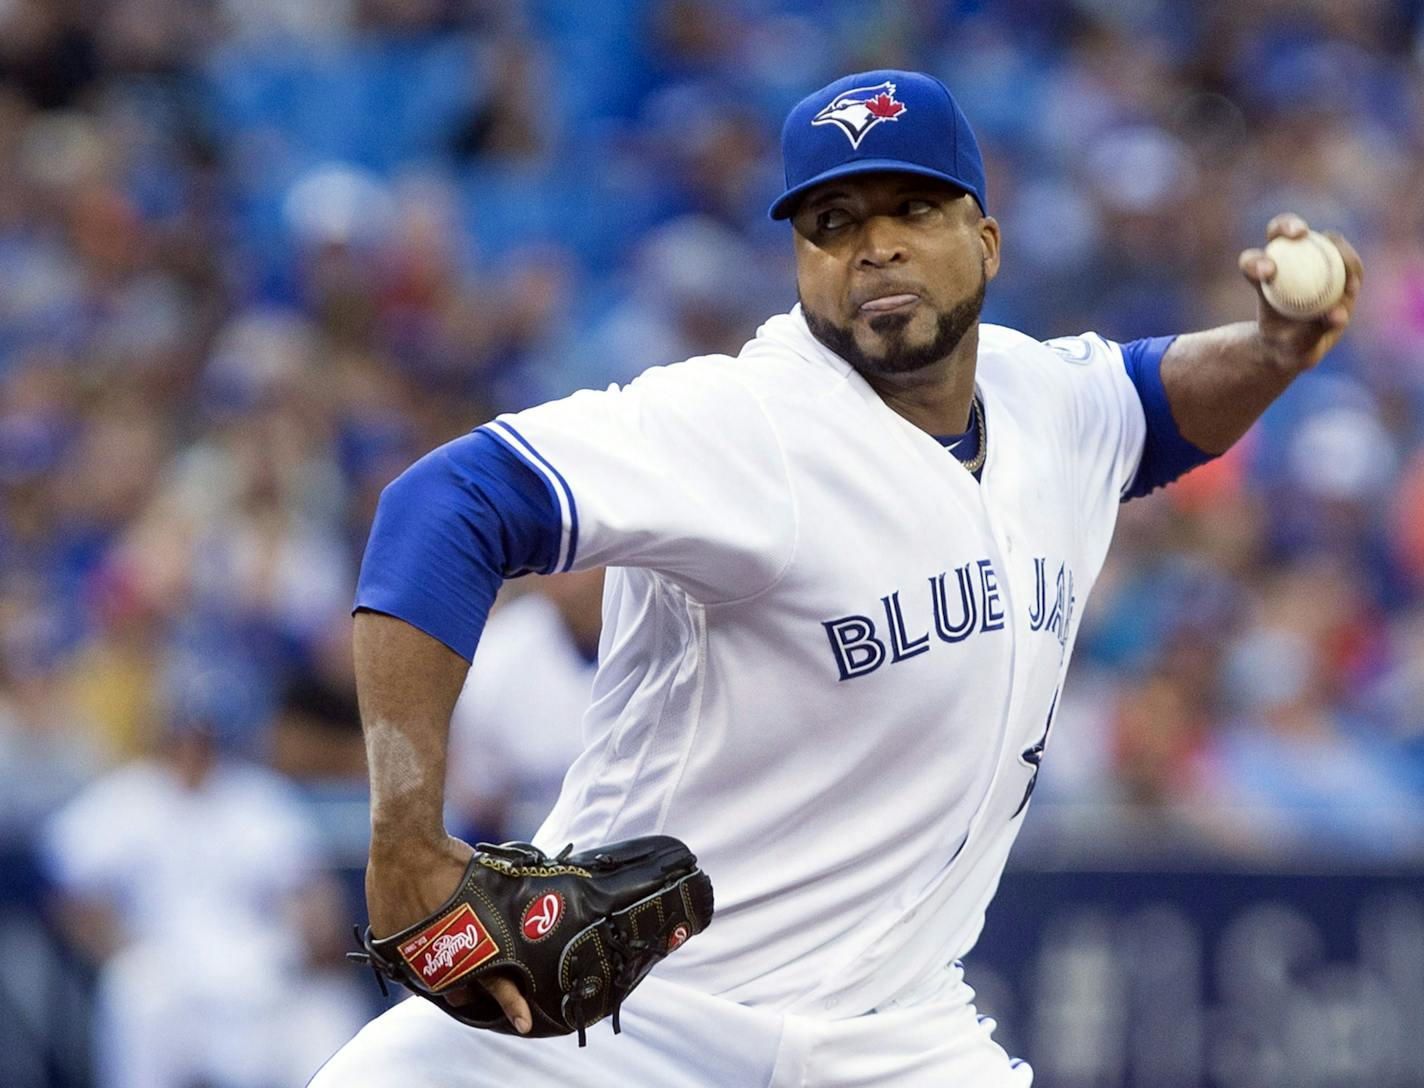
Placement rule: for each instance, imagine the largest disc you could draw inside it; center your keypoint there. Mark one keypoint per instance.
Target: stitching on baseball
(1311, 302)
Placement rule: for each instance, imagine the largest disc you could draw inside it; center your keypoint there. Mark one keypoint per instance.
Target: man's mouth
(886, 304)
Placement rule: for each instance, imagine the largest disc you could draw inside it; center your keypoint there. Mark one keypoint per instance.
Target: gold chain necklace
(975, 463)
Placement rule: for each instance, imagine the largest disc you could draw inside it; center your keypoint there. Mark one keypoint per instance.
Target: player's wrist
(402, 835)
(1279, 351)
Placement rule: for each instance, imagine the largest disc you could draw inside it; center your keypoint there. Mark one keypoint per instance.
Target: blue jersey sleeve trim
(559, 489)
(1166, 455)
(449, 530)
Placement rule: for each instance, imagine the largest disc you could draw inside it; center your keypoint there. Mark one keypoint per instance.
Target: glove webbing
(627, 952)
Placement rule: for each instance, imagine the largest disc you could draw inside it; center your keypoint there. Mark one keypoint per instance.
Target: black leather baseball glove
(576, 932)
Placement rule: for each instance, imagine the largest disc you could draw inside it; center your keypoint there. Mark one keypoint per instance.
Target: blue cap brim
(785, 204)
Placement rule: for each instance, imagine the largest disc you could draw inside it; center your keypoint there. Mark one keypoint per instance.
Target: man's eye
(833, 219)
(918, 207)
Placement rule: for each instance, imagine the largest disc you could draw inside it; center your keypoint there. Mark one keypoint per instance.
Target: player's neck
(936, 398)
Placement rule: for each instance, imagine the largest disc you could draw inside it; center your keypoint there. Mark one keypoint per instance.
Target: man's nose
(881, 243)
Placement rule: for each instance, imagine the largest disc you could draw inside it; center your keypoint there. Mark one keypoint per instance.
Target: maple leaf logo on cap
(885, 107)
(857, 111)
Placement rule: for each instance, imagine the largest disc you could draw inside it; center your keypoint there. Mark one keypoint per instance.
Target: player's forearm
(1219, 381)
(407, 684)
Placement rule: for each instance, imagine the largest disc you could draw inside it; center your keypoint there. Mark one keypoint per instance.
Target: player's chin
(911, 328)
(877, 331)
(898, 358)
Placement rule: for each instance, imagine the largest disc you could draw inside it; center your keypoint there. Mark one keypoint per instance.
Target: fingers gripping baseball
(1303, 308)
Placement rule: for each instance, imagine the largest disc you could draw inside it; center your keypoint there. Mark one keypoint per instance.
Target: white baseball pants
(678, 1038)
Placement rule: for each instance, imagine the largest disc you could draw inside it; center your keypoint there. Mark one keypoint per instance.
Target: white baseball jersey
(830, 656)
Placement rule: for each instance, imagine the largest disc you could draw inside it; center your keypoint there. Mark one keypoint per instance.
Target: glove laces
(629, 956)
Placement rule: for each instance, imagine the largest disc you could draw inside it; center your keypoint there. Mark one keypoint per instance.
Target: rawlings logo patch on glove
(619, 909)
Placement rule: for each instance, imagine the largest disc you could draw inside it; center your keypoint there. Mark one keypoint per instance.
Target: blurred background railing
(255, 257)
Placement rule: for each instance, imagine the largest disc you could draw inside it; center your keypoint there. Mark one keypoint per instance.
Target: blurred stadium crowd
(256, 256)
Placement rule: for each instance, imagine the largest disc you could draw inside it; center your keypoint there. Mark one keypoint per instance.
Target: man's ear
(989, 239)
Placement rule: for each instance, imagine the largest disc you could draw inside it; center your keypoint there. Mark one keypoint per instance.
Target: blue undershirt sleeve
(449, 530)
(1166, 455)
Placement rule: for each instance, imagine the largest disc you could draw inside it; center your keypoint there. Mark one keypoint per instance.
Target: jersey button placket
(1003, 543)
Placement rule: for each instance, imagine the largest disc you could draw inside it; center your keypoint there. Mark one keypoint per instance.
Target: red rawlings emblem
(542, 915)
(445, 950)
(885, 107)
(679, 934)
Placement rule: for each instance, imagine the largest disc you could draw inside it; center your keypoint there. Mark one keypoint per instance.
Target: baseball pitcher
(846, 571)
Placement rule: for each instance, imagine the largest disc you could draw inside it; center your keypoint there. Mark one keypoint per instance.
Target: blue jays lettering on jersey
(859, 642)
(1055, 613)
(977, 608)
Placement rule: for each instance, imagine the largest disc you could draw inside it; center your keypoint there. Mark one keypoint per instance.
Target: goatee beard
(900, 357)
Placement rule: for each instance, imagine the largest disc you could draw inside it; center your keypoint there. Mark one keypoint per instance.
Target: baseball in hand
(1309, 279)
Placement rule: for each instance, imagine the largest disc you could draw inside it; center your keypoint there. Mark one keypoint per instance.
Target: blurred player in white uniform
(198, 882)
(846, 572)
(518, 723)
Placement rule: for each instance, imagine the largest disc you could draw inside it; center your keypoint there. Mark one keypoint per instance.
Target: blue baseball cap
(905, 122)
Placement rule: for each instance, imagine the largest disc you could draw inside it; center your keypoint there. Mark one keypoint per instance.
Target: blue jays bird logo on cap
(860, 109)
